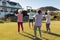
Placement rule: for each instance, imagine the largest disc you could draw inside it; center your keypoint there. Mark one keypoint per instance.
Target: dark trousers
(35, 29)
(20, 23)
(48, 26)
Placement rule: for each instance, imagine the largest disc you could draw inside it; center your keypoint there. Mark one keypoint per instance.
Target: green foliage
(25, 18)
(13, 19)
(1, 21)
(55, 15)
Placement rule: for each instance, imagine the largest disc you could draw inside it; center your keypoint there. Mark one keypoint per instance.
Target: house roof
(11, 4)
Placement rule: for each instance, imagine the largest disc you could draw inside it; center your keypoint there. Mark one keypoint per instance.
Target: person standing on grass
(31, 13)
(48, 19)
(20, 19)
(38, 22)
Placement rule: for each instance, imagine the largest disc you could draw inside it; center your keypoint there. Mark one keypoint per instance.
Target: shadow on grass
(32, 36)
(58, 35)
(26, 36)
(43, 22)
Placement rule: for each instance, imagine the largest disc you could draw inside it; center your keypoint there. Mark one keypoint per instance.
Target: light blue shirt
(31, 15)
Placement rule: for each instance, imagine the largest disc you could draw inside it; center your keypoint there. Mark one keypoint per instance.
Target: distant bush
(56, 16)
(1, 21)
(25, 18)
(13, 19)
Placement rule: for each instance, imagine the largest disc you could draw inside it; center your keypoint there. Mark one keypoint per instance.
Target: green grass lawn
(8, 31)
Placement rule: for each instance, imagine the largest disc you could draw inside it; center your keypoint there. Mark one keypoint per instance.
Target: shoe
(34, 38)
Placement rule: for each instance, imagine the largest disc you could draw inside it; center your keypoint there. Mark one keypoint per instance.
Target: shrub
(1, 21)
(25, 18)
(13, 19)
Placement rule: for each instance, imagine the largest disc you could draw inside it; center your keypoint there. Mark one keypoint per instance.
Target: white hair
(20, 10)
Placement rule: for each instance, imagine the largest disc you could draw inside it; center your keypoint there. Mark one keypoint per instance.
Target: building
(8, 7)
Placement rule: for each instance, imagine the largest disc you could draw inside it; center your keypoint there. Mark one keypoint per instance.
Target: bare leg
(32, 24)
(29, 25)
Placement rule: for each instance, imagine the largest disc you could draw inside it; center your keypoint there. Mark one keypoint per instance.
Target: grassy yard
(8, 31)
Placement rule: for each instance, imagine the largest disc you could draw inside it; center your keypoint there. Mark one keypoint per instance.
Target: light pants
(35, 29)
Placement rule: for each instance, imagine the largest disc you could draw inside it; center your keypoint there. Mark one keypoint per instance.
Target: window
(1, 10)
(4, 3)
(0, 0)
(11, 11)
(0, 13)
(12, 3)
(5, 9)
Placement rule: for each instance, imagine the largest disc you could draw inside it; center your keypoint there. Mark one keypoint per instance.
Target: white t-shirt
(48, 19)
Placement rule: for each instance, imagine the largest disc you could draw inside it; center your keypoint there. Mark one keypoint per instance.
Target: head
(20, 11)
(39, 12)
(47, 12)
(31, 10)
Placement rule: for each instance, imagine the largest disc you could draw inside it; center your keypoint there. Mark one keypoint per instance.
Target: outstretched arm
(16, 14)
(34, 16)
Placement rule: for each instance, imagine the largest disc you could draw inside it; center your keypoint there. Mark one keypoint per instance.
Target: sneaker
(18, 32)
(34, 38)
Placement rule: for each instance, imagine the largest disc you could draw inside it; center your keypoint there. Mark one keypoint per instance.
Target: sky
(35, 4)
